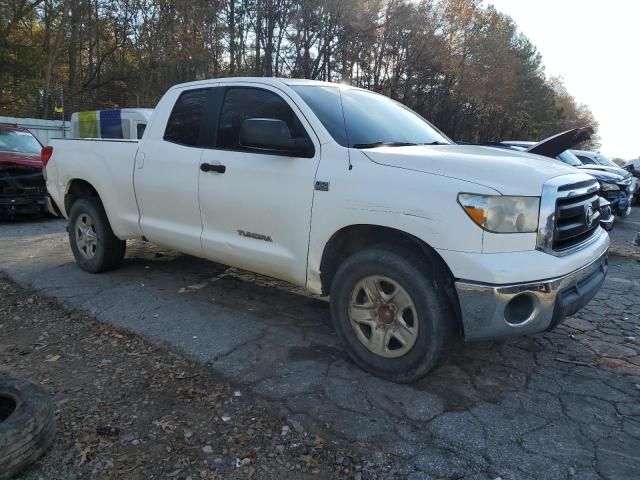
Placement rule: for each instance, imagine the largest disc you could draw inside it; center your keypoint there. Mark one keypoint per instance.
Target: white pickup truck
(417, 240)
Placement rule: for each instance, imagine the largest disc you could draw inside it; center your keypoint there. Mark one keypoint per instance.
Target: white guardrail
(44, 130)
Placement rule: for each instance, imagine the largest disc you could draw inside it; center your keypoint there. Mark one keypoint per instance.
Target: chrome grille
(577, 219)
(569, 214)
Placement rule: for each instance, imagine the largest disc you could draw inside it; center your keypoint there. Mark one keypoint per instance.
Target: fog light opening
(520, 309)
(7, 407)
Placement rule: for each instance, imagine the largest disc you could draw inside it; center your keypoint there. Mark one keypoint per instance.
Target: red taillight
(45, 155)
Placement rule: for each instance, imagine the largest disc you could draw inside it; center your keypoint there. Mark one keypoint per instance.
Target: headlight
(607, 187)
(501, 213)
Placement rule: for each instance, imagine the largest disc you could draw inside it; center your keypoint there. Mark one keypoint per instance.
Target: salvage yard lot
(564, 404)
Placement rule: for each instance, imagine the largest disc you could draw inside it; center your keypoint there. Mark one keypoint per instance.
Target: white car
(417, 240)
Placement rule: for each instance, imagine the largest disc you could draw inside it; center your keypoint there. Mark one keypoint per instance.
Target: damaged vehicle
(614, 188)
(22, 187)
(633, 167)
(612, 191)
(598, 161)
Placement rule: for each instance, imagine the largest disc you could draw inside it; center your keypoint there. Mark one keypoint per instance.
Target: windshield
(18, 142)
(569, 158)
(602, 160)
(361, 119)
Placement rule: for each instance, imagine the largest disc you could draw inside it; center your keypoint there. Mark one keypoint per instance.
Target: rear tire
(410, 315)
(94, 246)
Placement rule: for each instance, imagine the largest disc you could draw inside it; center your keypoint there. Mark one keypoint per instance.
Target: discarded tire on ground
(27, 424)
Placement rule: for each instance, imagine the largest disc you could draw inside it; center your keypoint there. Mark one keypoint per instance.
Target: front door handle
(208, 167)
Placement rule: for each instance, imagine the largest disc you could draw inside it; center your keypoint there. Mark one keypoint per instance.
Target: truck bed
(107, 165)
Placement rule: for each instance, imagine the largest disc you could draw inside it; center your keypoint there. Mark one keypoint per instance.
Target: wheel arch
(78, 188)
(353, 238)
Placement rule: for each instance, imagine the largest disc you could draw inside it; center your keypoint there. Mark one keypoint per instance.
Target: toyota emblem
(589, 215)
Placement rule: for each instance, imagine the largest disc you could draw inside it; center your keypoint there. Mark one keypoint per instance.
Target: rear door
(166, 176)
(256, 205)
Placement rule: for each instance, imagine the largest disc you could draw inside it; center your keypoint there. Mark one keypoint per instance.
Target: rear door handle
(208, 167)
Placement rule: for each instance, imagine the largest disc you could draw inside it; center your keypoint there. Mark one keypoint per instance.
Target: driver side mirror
(273, 135)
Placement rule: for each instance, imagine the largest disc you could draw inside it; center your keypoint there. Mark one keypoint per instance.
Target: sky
(594, 45)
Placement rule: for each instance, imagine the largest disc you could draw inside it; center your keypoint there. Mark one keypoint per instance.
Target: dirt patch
(127, 409)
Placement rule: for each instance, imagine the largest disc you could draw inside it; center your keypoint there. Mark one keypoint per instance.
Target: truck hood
(602, 168)
(11, 159)
(555, 145)
(602, 175)
(507, 171)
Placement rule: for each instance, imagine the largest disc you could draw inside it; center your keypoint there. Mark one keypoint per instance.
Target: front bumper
(623, 208)
(22, 191)
(607, 218)
(11, 206)
(497, 311)
(607, 223)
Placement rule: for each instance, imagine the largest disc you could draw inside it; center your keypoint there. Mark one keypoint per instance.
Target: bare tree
(460, 63)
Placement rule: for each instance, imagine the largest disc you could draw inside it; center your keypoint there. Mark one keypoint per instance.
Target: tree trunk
(232, 36)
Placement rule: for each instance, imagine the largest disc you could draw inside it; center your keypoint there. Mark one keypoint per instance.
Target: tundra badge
(257, 236)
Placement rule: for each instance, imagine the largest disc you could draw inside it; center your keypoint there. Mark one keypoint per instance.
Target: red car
(22, 185)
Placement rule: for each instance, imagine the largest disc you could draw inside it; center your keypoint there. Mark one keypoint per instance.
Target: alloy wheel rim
(86, 236)
(383, 316)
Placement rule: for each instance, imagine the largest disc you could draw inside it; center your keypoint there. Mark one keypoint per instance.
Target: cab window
(241, 103)
(183, 126)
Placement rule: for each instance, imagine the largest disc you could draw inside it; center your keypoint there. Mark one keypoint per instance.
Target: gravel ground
(127, 409)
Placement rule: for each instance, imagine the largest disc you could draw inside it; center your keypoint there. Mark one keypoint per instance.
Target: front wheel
(391, 310)
(94, 246)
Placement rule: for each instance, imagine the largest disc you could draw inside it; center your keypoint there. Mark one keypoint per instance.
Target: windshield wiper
(383, 144)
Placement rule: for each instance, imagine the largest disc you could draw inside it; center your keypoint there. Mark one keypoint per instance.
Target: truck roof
(275, 81)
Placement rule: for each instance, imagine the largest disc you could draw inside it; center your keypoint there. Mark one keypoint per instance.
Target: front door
(256, 204)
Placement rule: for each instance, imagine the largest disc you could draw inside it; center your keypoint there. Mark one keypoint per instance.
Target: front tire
(391, 310)
(94, 246)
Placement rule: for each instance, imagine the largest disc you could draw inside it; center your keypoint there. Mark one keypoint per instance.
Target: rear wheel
(94, 246)
(391, 310)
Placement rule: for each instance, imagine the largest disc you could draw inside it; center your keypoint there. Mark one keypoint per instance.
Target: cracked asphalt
(558, 405)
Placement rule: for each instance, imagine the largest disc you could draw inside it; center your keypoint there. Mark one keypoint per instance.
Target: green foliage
(460, 64)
